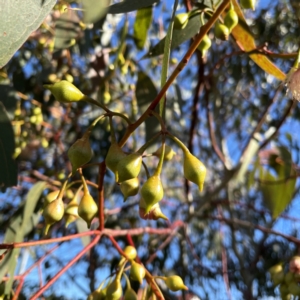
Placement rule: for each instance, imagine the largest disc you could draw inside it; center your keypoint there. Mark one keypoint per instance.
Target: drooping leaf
(129, 5)
(67, 29)
(277, 191)
(179, 37)
(94, 10)
(142, 23)
(8, 166)
(246, 42)
(145, 93)
(18, 20)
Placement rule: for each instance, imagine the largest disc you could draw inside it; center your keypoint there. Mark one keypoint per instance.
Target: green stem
(112, 131)
(85, 187)
(161, 158)
(120, 271)
(160, 119)
(179, 143)
(146, 169)
(62, 190)
(148, 143)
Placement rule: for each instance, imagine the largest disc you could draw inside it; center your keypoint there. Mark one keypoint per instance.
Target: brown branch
(212, 135)
(247, 224)
(292, 105)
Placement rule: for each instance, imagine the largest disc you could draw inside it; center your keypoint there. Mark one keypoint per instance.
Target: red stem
(65, 268)
(102, 169)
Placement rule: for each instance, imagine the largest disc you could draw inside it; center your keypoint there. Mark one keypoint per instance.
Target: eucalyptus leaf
(8, 166)
(129, 5)
(18, 20)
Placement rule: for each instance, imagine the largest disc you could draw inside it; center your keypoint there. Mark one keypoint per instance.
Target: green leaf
(165, 63)
(145, 93)
(277, 192)
(94, 10)
(129, 5)
(179, 37)
(67, 29)
(82, 227)
(142, 23)
(246, 42)
(21, 224)
(8, 166)
(18, 20)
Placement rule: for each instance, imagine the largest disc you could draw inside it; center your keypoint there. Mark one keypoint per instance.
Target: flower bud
(87, 208)
(137, 272)
(169, 153)
(71, 212)
(221, 31)
(114, 155)
(231, 19)
(248, 4)
(129, 167)
(51, 197)
(114, 290)
(181, 20)
(53, 213)
(152, 192)
(194, 170)
(154, 214)
(130, 187)
(65, 91)
(130, 294)
(204, 45)
(175, 283)
(130, 251)
(80, 152)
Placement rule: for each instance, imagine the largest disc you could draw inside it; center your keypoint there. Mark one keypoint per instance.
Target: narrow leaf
(129, 5)
(67, 29)
(246, 42)
(145, 93)
(165, 63)
(277, 192)
(141, 25)
(179, 37)
(94, 10)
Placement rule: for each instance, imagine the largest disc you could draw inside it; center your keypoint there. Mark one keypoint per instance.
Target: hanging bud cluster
(287, 279)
